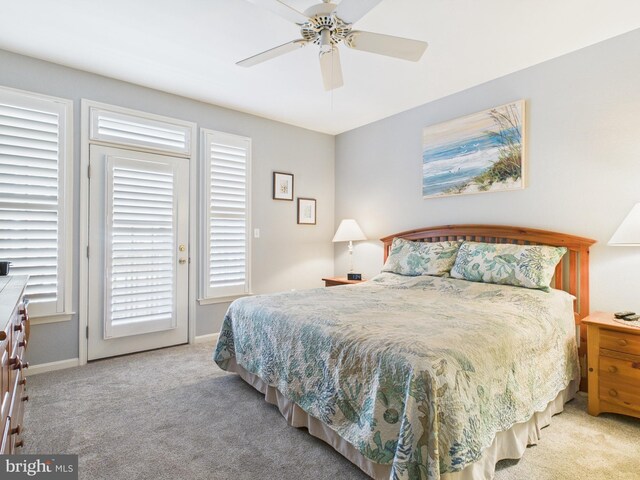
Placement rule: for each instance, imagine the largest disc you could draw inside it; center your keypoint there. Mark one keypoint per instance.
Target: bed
(419, 377)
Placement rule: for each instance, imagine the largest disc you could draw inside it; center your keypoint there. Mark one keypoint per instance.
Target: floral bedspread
(416, 372)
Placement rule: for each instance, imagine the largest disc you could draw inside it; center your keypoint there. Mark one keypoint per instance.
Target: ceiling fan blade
(388, 45)
(283, 10)
(331, 69)
(272, 53)
(350, 11)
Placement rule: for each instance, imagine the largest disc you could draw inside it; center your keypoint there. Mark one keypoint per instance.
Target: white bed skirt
(508, 444)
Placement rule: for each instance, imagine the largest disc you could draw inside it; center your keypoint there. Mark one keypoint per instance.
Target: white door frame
(83, 198)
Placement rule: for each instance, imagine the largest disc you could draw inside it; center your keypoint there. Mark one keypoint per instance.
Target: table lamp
(349, 231)
(628, 233)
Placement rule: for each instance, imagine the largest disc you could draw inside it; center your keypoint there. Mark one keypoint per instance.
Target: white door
(138, 251)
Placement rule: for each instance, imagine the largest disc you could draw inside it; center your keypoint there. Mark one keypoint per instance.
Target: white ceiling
(189, 47)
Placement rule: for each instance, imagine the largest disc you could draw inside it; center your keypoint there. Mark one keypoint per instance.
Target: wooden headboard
(572, 273)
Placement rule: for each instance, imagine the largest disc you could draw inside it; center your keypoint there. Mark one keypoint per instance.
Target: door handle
(182, 261)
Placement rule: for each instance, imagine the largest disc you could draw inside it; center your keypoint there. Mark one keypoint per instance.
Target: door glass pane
(140, 247)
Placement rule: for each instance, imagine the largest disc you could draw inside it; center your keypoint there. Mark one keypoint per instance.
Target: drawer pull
(612, 369)
(622, 342)
(613, 393)
(17, 328)
(635, 365)
(19, 443)
(25, 398)
(23, 343)
(3, 335)
(23, 382)
(17, 430)
(14, 360)
(20, 365)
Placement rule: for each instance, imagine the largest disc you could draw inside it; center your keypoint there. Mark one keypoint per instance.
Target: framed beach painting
(482, 152)
(282, 186)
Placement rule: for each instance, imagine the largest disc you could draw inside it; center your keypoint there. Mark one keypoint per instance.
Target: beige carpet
(172, 414)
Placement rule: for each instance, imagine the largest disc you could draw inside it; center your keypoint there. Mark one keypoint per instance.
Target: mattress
(418, 375)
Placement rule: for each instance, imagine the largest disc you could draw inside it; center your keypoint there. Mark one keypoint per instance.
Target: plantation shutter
(32, 162)
(129, 129)
(141, 247)
(227, 215)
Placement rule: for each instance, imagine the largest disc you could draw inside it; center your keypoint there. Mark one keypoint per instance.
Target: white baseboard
(51, 366)
(211, 337)
(74, 362)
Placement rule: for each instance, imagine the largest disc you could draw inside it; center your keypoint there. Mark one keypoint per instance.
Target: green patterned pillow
(421, 258)
(529, 266)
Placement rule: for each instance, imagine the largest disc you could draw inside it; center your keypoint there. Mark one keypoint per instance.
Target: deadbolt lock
(182, 248)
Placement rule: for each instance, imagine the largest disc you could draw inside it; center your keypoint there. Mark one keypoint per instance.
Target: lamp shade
(628, 233)
(348, 230)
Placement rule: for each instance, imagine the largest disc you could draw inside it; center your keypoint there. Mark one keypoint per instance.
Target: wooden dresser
(14, 335)
(613, 365)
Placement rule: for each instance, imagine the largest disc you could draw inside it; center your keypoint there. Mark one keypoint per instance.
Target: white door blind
(140, 247)
(31, 165)
(227, 242)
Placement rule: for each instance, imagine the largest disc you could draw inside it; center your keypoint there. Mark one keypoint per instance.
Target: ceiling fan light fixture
(325, 41)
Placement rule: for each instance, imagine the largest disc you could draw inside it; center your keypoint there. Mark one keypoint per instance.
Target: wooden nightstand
(333, 281)
(614, 365)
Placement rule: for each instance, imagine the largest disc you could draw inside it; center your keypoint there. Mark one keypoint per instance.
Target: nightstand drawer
(622, 394)
(620, 341)
(620, 370)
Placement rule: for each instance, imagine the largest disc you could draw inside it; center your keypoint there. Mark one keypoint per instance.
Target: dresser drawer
(5, 445)
(619, 342)
(16, 412)
(19, 329)
(620, 370)
(6, 404)
(18, 338)
(622, 394)
(5, 372)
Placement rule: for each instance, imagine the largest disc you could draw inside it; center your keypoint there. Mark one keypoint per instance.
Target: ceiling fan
(328, 25)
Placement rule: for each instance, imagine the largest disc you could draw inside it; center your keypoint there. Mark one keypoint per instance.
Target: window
(35, 196)
(128, 128)
(226, 161)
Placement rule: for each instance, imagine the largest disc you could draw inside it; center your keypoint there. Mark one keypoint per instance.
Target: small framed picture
(282, 186)
(306, 211)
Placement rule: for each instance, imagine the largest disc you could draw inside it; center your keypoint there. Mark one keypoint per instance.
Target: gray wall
(583, 164)
(583, 174)
(286, 256)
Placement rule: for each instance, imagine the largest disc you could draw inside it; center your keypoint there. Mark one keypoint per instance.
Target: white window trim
(216, 300)
(65, 220)
(85, 142)
(203, 264)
